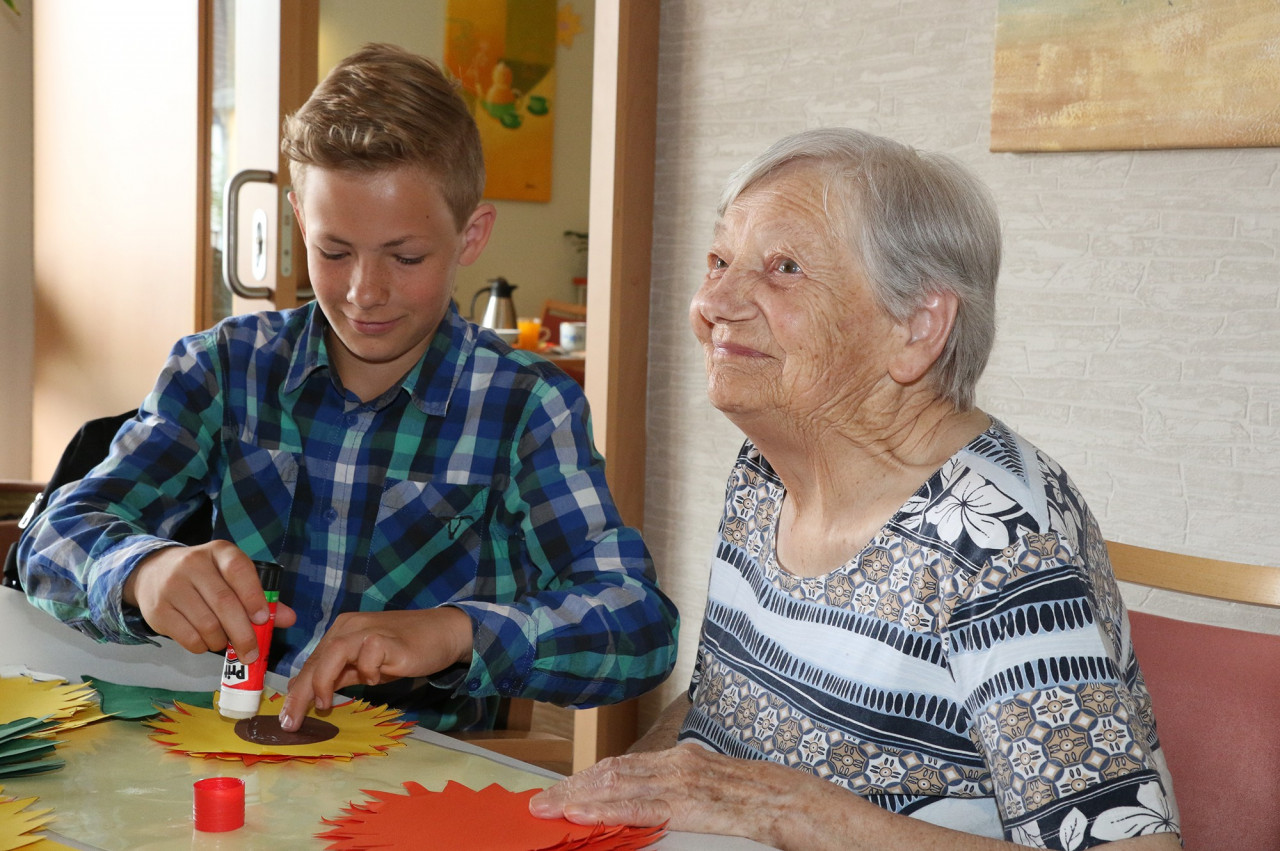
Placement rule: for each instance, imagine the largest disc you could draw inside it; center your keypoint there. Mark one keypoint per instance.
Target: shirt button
(330, 515)
(474, 685)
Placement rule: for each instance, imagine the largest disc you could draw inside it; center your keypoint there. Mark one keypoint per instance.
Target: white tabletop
(33, 641)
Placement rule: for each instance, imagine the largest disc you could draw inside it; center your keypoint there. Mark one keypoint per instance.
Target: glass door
(261, 64)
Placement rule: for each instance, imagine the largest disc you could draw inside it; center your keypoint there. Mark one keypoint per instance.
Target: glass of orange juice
(532, 334)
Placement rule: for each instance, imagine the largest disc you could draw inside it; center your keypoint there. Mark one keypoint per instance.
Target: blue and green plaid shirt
(473, 482)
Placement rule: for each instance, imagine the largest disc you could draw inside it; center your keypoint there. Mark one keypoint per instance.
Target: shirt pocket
(428, 543)
(256, 500)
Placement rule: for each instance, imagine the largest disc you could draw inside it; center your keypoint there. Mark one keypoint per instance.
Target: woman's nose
(723, 296)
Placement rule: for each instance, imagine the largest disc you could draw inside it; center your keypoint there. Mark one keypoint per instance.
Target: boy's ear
(475, 234)
(927, 332)
(296, 203)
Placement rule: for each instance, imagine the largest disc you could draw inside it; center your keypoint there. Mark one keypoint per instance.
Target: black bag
(86, 449)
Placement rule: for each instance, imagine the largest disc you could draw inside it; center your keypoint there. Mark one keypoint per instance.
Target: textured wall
(1139, 311)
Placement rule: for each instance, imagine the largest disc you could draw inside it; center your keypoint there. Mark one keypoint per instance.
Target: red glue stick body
(241, 683)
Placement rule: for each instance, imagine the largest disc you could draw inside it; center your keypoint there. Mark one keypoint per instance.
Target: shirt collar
(431, 381)
(309, 354)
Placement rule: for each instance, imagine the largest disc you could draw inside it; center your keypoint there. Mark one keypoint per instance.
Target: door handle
(230, 233)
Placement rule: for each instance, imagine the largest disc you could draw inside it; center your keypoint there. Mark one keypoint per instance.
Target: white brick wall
(1139, 307)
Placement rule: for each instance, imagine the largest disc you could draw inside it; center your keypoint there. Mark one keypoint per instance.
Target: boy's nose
(366, 288)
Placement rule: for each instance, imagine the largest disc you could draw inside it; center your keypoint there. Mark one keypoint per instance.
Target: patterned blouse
(971, 667)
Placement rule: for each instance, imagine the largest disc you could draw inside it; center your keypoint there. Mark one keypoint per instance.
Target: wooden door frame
(623, 145)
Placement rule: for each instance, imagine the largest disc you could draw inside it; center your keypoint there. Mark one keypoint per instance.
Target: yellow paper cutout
(363, 730)
(23, 697)
(17, 822)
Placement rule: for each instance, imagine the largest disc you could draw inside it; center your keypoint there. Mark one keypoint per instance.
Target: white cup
(573, 336)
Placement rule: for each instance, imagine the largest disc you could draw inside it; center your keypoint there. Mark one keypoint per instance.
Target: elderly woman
(908, 601)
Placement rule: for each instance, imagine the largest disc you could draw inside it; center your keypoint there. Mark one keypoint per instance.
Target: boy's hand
(203, 597)
(368, 648)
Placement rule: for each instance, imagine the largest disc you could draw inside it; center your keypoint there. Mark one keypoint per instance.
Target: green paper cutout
(134, 702)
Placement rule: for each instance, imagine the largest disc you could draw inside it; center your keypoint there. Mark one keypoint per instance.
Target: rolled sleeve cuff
(504, 645)
(112, 619)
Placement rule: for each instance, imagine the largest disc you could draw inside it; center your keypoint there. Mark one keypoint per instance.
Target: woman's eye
(715, 262)
(331, 255)
(788, 267)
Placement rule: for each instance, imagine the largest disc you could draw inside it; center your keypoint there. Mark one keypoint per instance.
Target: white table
(125, 771)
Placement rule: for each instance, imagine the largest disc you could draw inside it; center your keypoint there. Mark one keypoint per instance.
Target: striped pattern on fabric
(970, 666)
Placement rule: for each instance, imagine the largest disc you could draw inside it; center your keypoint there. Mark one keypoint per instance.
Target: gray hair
(920, 223)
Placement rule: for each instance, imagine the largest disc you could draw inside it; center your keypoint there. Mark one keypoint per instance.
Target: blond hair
(381, 108)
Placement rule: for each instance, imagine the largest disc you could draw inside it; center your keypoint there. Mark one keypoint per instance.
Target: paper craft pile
(493, 819)
(363, 730)
(32, 713)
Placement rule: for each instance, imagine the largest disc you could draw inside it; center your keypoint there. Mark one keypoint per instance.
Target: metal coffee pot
(500, 312)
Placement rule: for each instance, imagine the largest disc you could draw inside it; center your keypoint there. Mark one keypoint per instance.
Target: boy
(434, 497)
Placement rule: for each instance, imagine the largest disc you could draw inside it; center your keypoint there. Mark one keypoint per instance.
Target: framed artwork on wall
(1091, 75)
(503, 52)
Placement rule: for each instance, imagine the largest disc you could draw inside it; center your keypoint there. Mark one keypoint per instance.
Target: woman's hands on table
(695, 790)
(687, 787)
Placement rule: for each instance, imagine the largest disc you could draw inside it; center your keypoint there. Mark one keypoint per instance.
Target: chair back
(1216, 694)
(555, 312)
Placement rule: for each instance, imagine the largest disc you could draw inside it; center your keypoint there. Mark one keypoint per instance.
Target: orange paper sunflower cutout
(343, 732)
(493, 819)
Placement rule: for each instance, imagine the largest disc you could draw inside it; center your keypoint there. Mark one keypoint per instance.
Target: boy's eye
(331, 255)
(410, 261)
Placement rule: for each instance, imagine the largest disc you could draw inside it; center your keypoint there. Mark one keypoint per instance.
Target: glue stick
(241, 683)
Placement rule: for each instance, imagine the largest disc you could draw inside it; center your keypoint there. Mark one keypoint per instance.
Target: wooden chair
(554, 312)
(516, 738)
(15, 497)
(1216, 694)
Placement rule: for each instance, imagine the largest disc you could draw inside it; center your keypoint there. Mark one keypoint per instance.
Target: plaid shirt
(473, 482)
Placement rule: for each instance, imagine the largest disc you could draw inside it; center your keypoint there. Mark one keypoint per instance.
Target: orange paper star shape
(493, 819)
(362, 730)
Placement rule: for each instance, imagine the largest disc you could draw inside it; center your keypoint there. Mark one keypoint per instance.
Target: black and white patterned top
(971, 666)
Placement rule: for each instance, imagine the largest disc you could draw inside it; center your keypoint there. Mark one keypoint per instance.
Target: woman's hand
(687, 787)
(203, 597)
(694, 790)
(368, 648)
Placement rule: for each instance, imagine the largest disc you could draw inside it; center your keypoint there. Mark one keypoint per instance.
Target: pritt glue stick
(241, 683)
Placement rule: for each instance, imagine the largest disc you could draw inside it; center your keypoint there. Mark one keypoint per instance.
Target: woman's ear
(927, 331)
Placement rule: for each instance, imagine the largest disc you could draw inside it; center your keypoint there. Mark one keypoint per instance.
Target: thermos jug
(501, 310)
